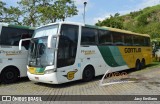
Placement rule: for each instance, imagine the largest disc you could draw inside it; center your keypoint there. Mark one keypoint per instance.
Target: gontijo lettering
(132, 50)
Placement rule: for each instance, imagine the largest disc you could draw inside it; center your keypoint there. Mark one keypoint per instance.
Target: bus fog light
(49, 71)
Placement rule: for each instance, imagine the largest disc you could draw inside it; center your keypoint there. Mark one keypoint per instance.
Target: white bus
(12, 61)
(65, 51)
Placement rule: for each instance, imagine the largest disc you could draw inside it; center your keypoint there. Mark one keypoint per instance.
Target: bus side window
(8, 36)
(147, 41)
(26, 43)
(89, 36)
(118, 38)
(128, 40)
(138, 40)
(105, 37)
(11, 36)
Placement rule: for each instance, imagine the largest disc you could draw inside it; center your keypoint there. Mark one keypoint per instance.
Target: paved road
(146, 82)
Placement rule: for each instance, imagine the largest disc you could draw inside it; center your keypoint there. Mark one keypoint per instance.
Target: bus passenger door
(66, 56)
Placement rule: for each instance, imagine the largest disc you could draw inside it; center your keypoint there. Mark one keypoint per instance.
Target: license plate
(37, 78)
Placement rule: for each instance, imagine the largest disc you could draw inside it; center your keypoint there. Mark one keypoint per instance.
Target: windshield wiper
(32, 49)
(38, 57)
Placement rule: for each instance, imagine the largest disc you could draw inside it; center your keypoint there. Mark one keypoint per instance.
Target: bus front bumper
(45, 78)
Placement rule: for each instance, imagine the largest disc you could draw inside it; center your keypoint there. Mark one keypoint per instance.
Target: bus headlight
(49, 71)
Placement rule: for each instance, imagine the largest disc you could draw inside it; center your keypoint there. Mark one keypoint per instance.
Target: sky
(100, 9)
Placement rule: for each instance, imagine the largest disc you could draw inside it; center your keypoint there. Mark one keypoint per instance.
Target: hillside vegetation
(146, 21)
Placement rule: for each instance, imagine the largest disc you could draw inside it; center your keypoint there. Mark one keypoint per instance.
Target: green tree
(142, 20)
(10, 14)
(59, 10)
(13, 15)
(29, 10)
(36, 12)
(114, 21)
(48, 11)
(2, 10)
(65, 8)
(117, 15)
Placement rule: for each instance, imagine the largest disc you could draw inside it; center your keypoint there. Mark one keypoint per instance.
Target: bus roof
(98, 27)
(16, 26)
(64, 22)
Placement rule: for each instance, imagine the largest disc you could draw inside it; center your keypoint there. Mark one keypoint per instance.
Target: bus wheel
(138, 65)
(9, 75)
(143, 63)
(88, 73)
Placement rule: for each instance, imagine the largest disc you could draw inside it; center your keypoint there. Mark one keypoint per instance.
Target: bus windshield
(39, 54)
(46, 31)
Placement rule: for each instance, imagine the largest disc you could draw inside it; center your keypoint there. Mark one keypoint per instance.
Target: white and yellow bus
(12, 61)
(65, 51)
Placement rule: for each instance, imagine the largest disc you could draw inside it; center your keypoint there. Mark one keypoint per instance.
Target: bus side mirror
(49, 43)
(50, 39)
(20, 42)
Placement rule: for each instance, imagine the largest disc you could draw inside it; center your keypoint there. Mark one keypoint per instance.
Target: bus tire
(88, 73)
(138, 65)
(143, 63)
(9, 75)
